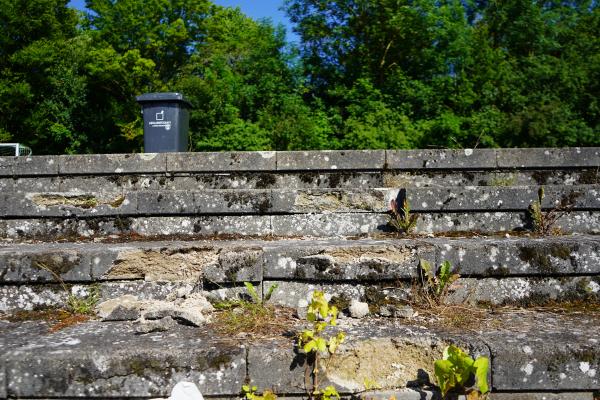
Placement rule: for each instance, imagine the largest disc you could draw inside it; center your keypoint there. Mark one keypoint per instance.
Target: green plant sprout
(316, 345)
(456, 368)
(254, 294)
(371, 384)
(400, 218)
(249, 393)
(435, 285)
(84, 305)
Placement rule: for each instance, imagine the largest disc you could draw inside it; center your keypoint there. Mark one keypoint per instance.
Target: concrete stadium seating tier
(151, 225)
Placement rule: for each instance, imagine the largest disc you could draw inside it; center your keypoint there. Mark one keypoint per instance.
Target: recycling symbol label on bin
(160, 122)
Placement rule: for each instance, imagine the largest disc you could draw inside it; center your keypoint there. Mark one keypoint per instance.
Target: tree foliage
(366, 74)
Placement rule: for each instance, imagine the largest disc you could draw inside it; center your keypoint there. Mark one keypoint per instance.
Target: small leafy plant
(454, 371)
(255, 296)
(435, 285)
(401, 218)
(250, 393)
(84, 305)
(316, 345)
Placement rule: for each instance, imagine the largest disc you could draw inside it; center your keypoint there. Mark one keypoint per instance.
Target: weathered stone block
(35, 165)
(13, 298)
(33, 266)
(233, 201)
(68, 205)
(521, 256)
(549, 158)
(165, 203)
(402, 394)
(109, 360)
(499, 178)
(255, 225)
(34, 184)
(525, 291)
(291, 294)
(543, 396)
(276, 365)
(471, 222)
(343, 261)
(100, 185)
(330, 159)
(329, 200)
(545, 351)
(221, 161)
(498, 198)
(160, 264)
(51, 295)
(341, 224)
(235, 265)
(6, 166)
(7, 185)
(441, 159)
(390, 358)
(112, 164)
(2, 380)
(331, 179)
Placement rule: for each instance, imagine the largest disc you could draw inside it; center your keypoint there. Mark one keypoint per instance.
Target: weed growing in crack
(455, 370)
(401, 218)
(435, 284)
(429, 298)
(76, 304)
(316, 345)
(544, 221)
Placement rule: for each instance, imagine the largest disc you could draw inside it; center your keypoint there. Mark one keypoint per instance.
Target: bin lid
(161, 97)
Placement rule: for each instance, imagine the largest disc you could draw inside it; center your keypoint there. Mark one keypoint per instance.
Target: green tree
(454, 73)
(40, 85)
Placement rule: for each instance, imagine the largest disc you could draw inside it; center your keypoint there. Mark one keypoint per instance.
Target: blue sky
(253, 8)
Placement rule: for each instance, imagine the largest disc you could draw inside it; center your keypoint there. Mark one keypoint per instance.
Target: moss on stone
(539, 257)
(265, 181)
(589, 177)
(342, 302)
(219, 360)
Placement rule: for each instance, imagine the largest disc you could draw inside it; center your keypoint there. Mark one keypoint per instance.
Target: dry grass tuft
(57, 318)
(258, 320)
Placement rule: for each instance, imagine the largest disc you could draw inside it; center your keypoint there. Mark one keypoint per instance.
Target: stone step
(361, 160)
(116, 185)
(529, 352)
(284, 226)
(384, 298)
(522, 271)
(292, 201)
(312, 260)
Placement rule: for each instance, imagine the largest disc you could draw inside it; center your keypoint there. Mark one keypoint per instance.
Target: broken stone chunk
(358, 309)
(396, 311)
(194, 309)
(123, 308)
(159, 325)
